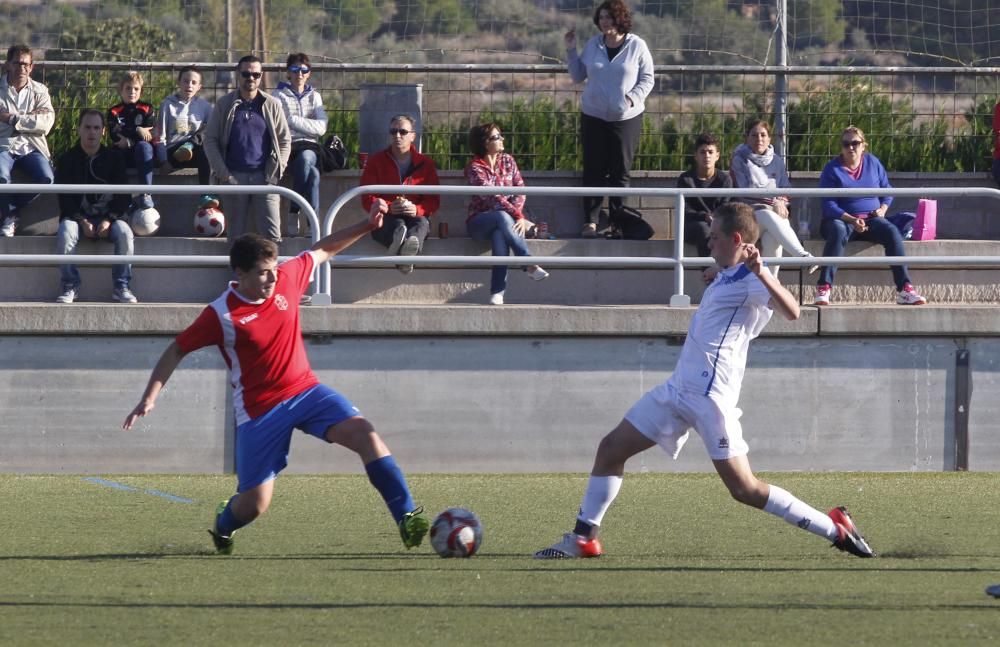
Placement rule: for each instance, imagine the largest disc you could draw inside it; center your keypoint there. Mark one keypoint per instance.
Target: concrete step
(438, 285)
(478, 320)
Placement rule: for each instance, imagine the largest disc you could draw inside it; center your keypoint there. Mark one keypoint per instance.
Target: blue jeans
(498, 228)
(837, 233)
(120, 235)
(141, 159)
(305, 179)
(35, 165)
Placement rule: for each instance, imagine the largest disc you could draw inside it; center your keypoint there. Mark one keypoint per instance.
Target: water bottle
(803, 228)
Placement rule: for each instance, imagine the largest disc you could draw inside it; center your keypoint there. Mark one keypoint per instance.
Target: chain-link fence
(917, 119)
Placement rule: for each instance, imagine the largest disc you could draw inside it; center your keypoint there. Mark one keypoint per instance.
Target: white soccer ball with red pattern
(456, 532)
(209, 222)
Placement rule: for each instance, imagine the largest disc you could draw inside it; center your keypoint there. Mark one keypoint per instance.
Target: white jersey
(713, 360)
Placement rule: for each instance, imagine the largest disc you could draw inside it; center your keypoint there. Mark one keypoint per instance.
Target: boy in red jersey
(255, 324)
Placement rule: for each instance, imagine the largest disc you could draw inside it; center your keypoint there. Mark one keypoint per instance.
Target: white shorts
(665, 416)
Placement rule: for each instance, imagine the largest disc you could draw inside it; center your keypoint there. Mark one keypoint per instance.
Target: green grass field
(86, 563)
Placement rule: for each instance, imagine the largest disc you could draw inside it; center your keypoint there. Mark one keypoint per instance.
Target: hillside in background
(924, 32)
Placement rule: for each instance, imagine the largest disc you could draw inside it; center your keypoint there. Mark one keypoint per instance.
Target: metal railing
(151, 260)
(679, 298)
(324, 293)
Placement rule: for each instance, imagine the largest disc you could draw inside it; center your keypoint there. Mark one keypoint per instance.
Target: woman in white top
(756, 166)
(618, 69)
(307, 123)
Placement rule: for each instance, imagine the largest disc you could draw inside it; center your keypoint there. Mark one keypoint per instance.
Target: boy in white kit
(703, 393)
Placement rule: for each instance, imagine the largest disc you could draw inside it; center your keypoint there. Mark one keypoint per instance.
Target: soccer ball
(209, 222)
(456, 532)
(145, 222)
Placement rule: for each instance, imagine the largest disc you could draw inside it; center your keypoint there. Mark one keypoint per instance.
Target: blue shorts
(262, 443)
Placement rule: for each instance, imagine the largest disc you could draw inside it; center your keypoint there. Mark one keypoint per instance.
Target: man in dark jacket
(99, 216)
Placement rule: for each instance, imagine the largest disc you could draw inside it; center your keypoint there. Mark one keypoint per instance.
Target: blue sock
(227, 523)
(388, 479)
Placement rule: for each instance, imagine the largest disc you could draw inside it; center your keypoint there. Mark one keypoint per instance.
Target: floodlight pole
(780, 80)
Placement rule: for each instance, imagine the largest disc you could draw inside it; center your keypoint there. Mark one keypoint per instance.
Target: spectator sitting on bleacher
(703, 175)
(498, 219)
(131, 123)
(26, 116)
(99, 216)
(408, 221)
(180, 129)
(849, 218)
(307, 121)
(755, 165)
(247, 142)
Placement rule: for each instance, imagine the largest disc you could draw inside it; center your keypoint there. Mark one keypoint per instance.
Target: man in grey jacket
(247, 141)
(26, 117)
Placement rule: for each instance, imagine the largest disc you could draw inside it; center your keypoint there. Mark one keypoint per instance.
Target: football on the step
(209, 222)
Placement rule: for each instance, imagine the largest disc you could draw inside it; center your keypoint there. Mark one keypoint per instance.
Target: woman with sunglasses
(852, 218)
(756, 166)
(498, 219)
(307, 121)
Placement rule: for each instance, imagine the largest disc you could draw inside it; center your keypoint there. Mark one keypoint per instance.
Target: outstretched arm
(164, 368)
(326, 248)
(781, 299)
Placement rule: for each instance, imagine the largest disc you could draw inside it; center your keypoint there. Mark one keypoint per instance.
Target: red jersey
(996, 132)
(261, 342)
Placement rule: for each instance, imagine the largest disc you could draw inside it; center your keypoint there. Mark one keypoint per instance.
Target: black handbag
(627, 223)
(333, 155)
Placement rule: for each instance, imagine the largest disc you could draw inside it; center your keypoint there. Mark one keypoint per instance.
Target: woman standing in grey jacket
(618, 69)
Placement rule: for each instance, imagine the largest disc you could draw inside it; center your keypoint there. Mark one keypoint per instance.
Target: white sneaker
(909, 297)
(68, 295)
(8, 227)
(410, 246)
(496, 299)
(124, 295)
(823, 294)
(812, 268)
(537, 274)
(398, 236)
(572, 546)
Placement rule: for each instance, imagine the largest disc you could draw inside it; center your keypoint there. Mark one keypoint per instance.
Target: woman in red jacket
(406, 225)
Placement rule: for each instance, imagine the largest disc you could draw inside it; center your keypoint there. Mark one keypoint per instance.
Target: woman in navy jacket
(859, 218)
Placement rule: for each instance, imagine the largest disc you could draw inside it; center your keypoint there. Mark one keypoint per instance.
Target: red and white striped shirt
(261, 341)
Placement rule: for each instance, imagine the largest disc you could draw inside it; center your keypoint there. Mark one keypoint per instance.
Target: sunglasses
(295, 69)
(403, 132)
(852, 144)
(495, 138)
(251, 75)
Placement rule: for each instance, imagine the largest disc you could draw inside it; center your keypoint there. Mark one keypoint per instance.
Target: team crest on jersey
(281, 302)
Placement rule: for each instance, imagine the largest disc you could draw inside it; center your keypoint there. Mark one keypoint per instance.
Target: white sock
(781, 503)
(601, 492)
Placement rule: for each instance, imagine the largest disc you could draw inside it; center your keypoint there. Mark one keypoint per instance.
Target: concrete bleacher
(966, 227)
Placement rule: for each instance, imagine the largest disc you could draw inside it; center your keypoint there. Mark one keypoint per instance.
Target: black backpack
(626, 222)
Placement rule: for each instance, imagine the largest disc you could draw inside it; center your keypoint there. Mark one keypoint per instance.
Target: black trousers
(415, 226)
(608, 149)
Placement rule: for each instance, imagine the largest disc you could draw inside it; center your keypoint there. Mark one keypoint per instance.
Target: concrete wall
(534, 403)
